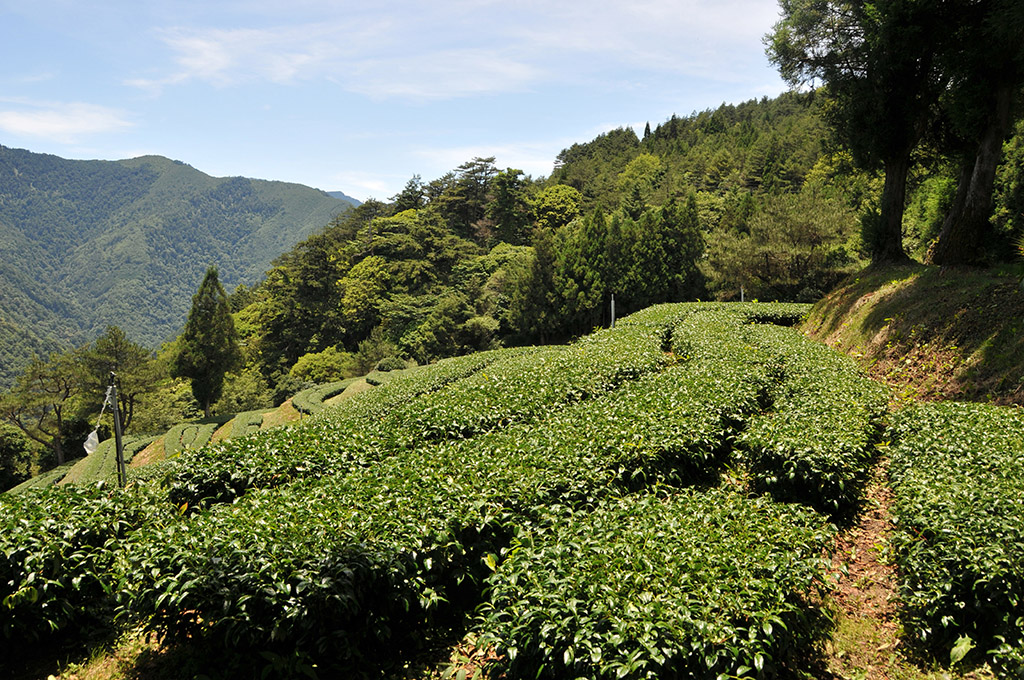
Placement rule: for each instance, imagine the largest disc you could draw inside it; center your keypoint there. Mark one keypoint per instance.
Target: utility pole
(613, 310)
(118, 446)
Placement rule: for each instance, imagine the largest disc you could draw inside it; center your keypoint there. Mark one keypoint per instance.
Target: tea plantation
(656, 500)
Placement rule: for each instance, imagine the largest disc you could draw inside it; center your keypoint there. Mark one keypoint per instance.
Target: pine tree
(136, 369)
(208, 347)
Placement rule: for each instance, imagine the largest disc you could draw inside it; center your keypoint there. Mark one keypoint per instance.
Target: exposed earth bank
(931, 333)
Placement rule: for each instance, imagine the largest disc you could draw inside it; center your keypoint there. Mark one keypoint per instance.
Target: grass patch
(151, 454)
(862, 649)
(282, 415)
(931, 332)
(355, 388)
(223, 432)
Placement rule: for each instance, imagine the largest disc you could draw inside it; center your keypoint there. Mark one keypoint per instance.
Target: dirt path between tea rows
(865, 644)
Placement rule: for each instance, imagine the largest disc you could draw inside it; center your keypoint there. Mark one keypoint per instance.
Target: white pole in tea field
(613, 310)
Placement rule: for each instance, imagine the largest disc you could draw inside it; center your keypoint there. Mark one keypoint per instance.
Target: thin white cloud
(457, 48)
(40, 77)
(63, 122)
(441, 75)
(702, 38)
(365, 185)
(224, 57)
(371, 62)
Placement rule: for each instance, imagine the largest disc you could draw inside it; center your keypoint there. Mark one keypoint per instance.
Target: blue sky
(360, 96)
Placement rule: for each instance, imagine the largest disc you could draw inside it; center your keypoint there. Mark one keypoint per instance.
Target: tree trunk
(887, 246)
(58, 443)
(965, 226)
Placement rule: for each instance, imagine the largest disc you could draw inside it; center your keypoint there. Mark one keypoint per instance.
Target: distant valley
(85, 244)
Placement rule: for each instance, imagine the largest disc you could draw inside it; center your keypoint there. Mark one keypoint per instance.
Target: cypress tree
(208, 347)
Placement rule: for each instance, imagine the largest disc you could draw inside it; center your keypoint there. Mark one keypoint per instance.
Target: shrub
(957, 471)
(247, 422)
(57, 551)
(330, 365)
(331, 442)
(815, 444)
(185, 436)
(46, 479)
(15, 456)
(312, 399)
(376, 525)
(389, 364)
(667, 585)
(101, 464)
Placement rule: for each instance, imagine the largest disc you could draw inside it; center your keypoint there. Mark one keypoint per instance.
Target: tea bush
(378, 523)
(246, 423)
(673, 585)
(312, 399)
(101, 464)
(57, 550)
(185, 436)
(411, 531)
(816, 443)
(528, 387)
(957, 471)
(330, 442)
(513, 386)
(340, 569)
(46, 479)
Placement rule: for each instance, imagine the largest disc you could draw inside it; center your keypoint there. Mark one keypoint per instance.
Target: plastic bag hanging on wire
(93, 440)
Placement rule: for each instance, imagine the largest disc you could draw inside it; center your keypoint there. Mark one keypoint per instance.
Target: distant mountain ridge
(345, 197)
(85, 244)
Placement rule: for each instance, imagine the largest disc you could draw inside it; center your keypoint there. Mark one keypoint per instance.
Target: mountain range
(86, 244)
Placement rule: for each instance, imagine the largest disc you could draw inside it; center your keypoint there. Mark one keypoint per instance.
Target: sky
(361, 96)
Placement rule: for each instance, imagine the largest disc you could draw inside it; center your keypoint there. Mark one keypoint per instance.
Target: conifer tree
(208, 347)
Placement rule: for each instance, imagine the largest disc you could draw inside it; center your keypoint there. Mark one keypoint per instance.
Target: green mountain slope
(345, 197)
(84, 244)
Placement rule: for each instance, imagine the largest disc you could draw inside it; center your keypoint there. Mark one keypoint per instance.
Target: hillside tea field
(656, 500)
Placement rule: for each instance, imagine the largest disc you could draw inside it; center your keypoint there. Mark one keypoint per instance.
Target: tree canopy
(902, 72)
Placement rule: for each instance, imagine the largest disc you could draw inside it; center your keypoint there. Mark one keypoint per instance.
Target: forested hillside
(86, 244)
(752, 200)
(755, 146)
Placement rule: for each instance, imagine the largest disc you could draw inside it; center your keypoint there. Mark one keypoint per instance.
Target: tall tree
(557, 206)
(579, 273)
(878, 63)
(532, 305)
(648, 276)
(411, 197)
(208, 347)
(794, 248)
(684, 247)
(42, 401)
(299, 300)
(136, 368)
(462, 197)
(985, 66)
(510, 209)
